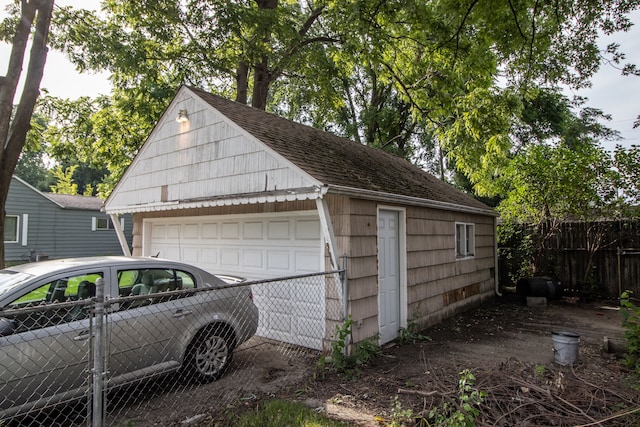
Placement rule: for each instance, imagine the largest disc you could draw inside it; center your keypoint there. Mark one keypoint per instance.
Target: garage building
(236, 190)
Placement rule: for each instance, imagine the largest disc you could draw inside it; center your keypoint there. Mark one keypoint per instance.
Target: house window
(465, 240)
(102, 224)
(11, 229)
(98, 224)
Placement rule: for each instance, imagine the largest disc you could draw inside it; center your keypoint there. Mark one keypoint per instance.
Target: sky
(616, 95)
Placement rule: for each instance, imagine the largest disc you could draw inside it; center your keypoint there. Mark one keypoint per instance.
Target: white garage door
(255, 247)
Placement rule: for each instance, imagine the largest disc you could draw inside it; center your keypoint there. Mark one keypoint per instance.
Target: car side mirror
(7, 326)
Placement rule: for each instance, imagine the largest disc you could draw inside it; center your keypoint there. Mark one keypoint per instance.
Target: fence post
(345, 290)
(98, 356)
(345, 301)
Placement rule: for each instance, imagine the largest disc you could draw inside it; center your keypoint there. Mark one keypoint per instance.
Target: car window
(140, 282)
(187, 280)
(63, 289)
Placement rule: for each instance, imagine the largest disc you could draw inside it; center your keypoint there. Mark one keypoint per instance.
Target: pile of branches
(519, 394)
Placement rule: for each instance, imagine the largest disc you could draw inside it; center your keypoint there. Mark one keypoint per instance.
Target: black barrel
(547, 287)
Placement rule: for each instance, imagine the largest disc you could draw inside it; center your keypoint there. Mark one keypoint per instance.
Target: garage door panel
(279, 261)
(306, 262)
(307, 229)
(253, 230)
(278, 230)
(192, 231)
(257, 247)
(253, 258)
(192, 253)
(173, 231)
(231, 230)
(209, 231)
(230, 258)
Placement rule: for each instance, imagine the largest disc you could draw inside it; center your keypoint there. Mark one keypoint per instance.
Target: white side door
(388, 275)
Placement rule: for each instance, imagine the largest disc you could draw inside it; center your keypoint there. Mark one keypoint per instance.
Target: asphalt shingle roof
(69, 201)
(335, 160)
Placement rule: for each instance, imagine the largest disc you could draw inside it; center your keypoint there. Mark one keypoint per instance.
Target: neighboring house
(45, 225)
(234, 189)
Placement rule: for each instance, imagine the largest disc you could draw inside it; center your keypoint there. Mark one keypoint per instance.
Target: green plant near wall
(348, 365)
(411, 334)
(631, 324)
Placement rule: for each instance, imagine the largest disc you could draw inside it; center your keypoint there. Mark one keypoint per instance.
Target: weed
(348, 364)
(399, 416)
(463, 412)
(631, 324)
(411, 334)
(540, 371)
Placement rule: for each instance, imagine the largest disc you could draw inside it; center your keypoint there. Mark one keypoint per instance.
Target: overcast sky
(614, 94)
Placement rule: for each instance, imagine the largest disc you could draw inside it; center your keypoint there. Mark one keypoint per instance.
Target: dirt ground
(506, 345)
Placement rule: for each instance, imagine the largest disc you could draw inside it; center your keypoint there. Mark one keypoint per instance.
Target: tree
(627, 162)
(31, 165)
(14, 127)
(397, 76)
(64, 181)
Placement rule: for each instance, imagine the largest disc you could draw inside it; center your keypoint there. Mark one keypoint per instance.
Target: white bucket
(565, 347)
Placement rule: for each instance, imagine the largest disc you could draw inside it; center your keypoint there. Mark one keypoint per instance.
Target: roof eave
(408, 200)
(309, 193)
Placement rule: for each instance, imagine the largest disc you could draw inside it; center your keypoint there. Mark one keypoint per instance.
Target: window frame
(95, 220)
(17, 228)
(465, 240)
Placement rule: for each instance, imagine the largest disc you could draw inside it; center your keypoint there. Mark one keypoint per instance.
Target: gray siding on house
(55, 231)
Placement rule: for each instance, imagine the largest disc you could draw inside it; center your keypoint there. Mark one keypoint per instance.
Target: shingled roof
(337, 161)
(69, 201)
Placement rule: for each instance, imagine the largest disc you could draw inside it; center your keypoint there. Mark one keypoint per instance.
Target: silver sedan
(161, 316)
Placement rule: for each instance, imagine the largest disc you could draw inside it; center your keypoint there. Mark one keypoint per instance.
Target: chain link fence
(169, 357)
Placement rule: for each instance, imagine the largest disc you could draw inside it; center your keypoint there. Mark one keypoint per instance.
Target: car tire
(210, 354)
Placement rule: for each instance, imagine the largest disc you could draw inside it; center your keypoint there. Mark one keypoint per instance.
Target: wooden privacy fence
(592, 259)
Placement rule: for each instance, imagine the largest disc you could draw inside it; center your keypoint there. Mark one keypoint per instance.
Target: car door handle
(182, 313)
(84, 335)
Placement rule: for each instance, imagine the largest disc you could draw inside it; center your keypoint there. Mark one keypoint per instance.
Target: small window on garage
(465, 240)
(11, 229)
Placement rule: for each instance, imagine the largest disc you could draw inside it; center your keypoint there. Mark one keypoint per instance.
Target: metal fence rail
(160, 359)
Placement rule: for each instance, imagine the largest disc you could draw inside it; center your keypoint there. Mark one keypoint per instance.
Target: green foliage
(418, 79)
(463, 412)
(558, 182)
(411, 334)
(64, 177)
(516, 251)
(279, 413)
(627, 162)
(346, 364)
(399, 416)
(631, 324)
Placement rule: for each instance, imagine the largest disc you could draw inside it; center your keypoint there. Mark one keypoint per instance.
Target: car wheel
(210, 354)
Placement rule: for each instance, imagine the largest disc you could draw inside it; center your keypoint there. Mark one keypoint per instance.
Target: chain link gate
(80, 346)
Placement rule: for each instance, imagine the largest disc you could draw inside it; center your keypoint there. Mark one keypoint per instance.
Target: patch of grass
(278, 413)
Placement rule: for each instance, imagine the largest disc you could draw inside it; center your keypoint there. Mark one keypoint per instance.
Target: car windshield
(10, 279)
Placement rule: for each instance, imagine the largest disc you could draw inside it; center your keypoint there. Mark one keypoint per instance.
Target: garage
(237, 190)
(256, 247)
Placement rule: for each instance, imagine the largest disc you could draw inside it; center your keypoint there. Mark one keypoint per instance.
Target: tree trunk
(242, 83)
(261, 82)
(13, 133)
